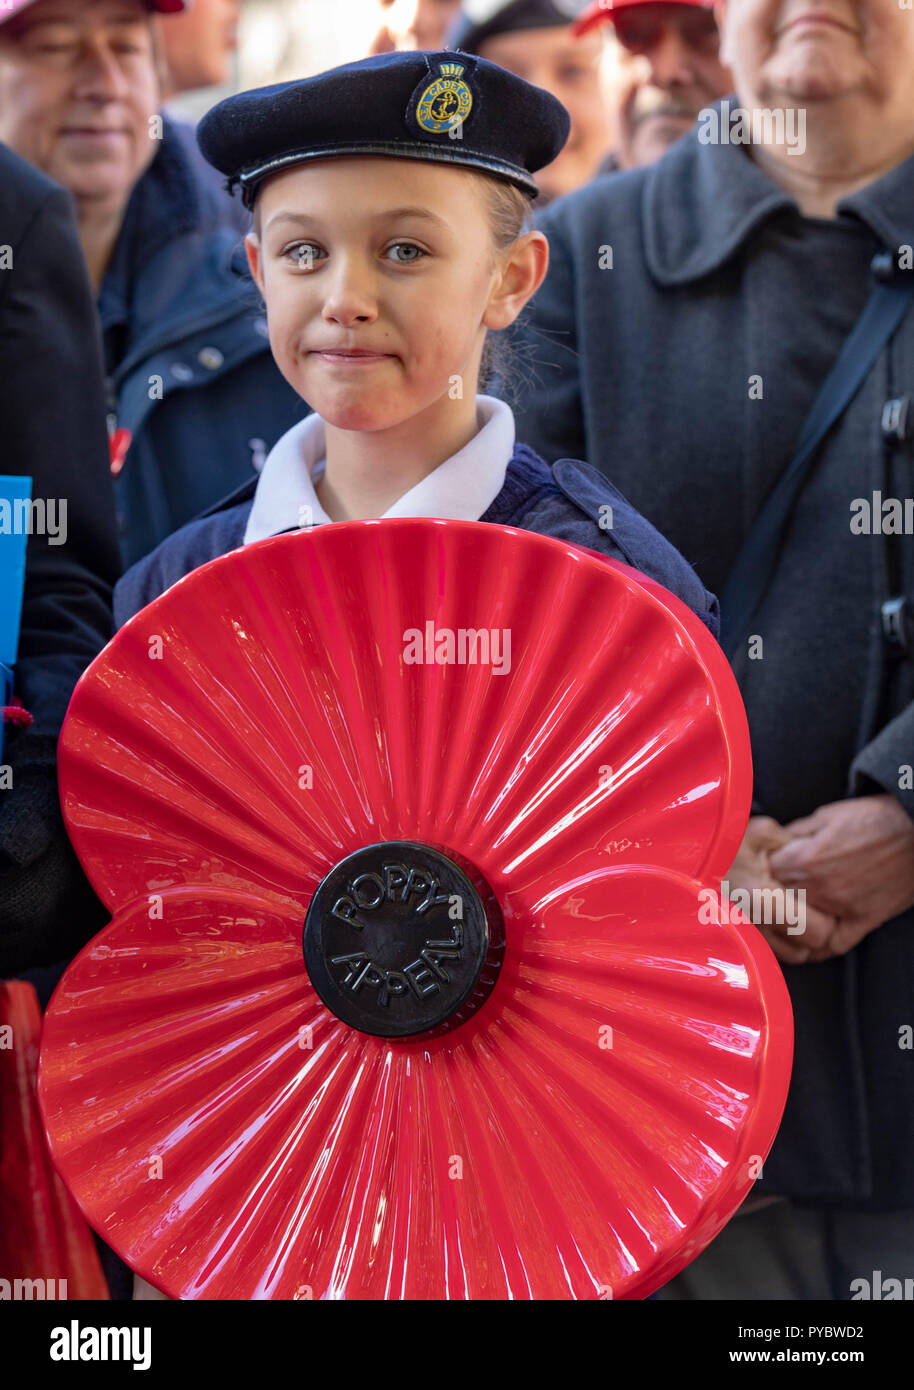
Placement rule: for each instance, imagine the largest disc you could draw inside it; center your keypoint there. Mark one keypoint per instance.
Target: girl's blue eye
(303, 254)
(406, 246)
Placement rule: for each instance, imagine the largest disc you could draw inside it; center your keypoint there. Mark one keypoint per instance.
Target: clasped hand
(854, 862)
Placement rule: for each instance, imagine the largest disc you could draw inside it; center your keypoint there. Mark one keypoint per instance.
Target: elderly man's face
(813, 50)
(78, 84)
(669, 69)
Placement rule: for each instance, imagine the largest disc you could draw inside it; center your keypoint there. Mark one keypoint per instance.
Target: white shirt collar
(462, 488)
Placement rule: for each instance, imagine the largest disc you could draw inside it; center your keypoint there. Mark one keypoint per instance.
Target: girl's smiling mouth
(350, 356)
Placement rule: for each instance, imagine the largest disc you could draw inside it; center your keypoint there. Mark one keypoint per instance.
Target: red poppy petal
(231, 1138)
(617, 735)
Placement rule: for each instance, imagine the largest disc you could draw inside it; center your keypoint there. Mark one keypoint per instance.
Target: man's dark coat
(688, 318)
(187, 354)
(52, 426)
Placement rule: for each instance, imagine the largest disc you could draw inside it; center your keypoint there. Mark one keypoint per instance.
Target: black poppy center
(403, 937)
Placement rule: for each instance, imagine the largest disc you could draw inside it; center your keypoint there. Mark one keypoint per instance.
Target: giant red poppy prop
(409, 829)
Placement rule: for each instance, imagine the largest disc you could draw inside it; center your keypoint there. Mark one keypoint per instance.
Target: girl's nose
(349, 298)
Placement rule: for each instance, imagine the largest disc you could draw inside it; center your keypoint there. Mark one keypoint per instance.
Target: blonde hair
(508, 207)
(510, 213)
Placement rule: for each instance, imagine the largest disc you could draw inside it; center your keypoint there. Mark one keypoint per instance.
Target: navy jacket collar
(165, 204)
(702, 202)
(527, 478)
(177, 268)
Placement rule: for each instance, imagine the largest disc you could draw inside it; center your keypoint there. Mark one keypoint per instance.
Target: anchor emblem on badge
(446, 102)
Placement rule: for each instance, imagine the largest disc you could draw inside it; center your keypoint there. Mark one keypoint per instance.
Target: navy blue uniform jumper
(564, 501)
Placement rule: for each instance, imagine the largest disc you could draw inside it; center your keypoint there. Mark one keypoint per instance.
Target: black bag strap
(751, 574)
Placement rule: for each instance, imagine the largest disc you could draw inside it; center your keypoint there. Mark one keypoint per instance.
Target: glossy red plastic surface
(43, 1237)
(593, 1126)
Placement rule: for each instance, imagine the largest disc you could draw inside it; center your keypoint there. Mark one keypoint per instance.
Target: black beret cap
(485, 19)
(445, 107)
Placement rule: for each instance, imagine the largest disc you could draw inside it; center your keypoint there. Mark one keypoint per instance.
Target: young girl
(390, 198)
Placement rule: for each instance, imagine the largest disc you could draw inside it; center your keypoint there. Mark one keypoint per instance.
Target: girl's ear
(255, 262)
(523, 271)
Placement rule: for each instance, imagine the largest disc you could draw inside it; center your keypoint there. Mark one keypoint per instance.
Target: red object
(12, 7)
(118, 444)
(588, 1121)
(16, 713)
(601, 10)
(43, 1237)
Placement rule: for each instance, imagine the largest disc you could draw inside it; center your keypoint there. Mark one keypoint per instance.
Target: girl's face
(380, 279)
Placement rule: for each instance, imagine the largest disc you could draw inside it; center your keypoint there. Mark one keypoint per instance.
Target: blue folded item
(15, 515)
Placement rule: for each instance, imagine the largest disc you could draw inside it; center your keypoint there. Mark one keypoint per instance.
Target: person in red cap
(669, 69)
(194, 398)
(97, 149)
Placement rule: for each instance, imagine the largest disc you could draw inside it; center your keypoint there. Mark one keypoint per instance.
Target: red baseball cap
(604, 9)
(9, 8)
